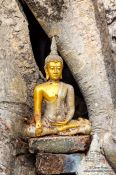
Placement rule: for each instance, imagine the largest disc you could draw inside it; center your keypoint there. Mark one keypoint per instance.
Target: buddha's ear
(61, 74)
(47, 75)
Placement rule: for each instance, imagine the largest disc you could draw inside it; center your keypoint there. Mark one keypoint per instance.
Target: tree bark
(17, 67)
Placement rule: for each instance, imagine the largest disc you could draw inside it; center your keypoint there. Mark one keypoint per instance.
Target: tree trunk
(17, 68)
(83, 42)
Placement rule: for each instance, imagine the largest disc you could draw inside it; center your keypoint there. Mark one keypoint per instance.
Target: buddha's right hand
(38, 130)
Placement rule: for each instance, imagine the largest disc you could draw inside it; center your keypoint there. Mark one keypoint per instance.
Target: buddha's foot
(32, 131)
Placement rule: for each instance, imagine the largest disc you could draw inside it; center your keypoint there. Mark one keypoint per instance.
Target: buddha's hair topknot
(53, 56)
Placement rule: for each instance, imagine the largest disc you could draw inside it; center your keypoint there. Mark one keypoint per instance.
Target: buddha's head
(53, 69)
(53, 64)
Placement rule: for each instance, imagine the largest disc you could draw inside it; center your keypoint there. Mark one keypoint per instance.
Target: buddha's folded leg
(31, 131)
(69, 132)
(71, 124)
(80, 126)
(73, 131)
(49, 131)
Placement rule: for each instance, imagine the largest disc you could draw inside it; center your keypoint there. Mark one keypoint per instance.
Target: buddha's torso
(50, 91)
(54, 96)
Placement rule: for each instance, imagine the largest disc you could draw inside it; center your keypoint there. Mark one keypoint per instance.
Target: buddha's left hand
(60, 123)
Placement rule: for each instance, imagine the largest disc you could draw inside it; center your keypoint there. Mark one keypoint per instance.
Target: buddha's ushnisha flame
(53, 56)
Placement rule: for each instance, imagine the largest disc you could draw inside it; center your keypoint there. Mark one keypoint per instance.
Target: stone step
(59, 144)
(48, 163)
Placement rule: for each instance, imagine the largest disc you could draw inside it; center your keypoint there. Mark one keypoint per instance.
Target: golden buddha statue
(59, 103)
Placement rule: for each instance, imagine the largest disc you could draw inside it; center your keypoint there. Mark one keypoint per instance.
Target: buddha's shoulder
(40, 86)
(68, 86)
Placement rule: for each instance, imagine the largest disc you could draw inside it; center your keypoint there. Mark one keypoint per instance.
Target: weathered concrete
(47, 163)
(60, 144)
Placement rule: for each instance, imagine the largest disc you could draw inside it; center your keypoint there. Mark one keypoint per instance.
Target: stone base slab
(48, 163)
(59, 144)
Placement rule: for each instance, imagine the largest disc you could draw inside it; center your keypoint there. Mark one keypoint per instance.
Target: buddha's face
(54, 70)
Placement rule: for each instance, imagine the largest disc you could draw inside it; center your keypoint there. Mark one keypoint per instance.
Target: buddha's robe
(61, 108)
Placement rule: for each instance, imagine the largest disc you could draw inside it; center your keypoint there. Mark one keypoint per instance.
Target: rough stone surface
(47, 163)
(60, 144)
(24, 165)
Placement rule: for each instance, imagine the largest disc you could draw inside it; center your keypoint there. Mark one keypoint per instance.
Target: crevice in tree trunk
(41, 47)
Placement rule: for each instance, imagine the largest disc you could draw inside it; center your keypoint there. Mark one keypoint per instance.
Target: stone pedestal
(48, 163)
(59, 144)
(58, 154)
